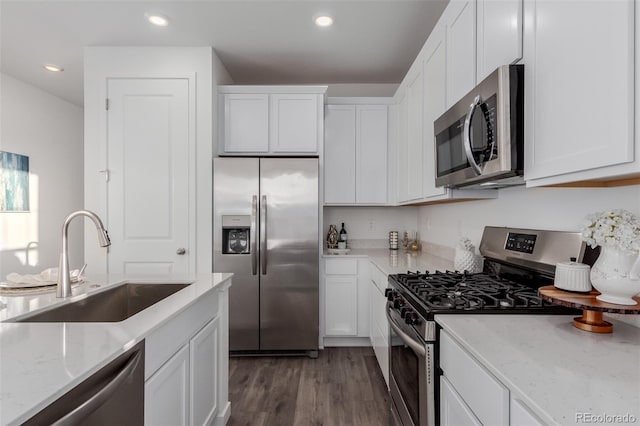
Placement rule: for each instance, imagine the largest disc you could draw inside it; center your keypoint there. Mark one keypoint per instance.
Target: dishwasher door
(112, 396)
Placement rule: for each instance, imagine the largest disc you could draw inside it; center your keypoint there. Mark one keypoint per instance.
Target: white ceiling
(259, 42)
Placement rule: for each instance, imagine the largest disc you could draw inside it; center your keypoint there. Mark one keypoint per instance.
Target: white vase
(615, 276)
(466, 260)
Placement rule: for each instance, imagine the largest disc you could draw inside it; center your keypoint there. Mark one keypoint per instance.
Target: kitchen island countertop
(39, 362)
(563, 374)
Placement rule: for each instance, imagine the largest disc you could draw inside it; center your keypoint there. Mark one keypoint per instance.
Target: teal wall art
(14, 182)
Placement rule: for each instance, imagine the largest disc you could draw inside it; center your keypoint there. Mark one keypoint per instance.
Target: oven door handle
(467, 136)
(419, 349)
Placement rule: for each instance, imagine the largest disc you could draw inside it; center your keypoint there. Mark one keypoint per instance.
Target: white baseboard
(346, 341)
(223, 416)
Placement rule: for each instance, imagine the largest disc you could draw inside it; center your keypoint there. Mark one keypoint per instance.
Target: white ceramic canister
(572, 276)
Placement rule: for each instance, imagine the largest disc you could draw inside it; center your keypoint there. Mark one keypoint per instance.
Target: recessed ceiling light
(324, 21)
(157, 19)
(52, 68)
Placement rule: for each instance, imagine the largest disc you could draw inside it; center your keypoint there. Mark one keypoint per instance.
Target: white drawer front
(485, 395)
(378, 277)
(341, 266)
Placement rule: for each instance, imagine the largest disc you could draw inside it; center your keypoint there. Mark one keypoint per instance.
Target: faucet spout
(63, 289)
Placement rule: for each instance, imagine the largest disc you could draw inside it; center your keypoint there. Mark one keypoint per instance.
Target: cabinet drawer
(341, 266)
(378, 277)
(486, 396)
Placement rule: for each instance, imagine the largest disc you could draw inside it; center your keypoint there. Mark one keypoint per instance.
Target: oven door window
(405, 370)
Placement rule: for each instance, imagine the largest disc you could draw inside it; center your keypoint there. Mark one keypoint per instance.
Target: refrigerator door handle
(253, 235)
(263, 234)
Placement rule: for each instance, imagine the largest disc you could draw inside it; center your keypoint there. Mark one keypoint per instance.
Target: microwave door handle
(467, 136)
(253, 236)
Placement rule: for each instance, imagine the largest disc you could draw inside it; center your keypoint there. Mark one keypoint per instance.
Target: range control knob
(391, 294)
(398, 302)
(387, 292)
(404, 311)
(412, 318)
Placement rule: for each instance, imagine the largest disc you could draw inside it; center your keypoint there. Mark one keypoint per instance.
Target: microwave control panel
(523, 243)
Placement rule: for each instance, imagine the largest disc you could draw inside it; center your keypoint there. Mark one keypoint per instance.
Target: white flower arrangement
(616, 228)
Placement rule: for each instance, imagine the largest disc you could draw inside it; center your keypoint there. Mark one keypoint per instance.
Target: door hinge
(106, 104)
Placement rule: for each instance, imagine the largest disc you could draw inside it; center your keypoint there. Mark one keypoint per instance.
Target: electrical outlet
(372, 225)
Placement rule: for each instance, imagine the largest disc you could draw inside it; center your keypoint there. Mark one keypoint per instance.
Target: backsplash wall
(535, 208)
(371, 223)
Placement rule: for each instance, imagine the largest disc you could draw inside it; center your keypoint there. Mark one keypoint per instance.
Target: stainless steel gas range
(517, 263)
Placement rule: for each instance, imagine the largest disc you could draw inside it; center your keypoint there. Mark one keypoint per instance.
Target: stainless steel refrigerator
(266, 232)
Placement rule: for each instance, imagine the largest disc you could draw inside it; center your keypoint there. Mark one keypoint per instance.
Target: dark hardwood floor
(343, 386)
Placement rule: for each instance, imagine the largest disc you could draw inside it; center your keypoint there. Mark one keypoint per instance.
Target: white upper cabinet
(414, 160)
(271, 120)
(355, 154)
(295, 123)
(340, 154)
(402, 150)
(371, 154)
(499, 34)
(579, 85)
(460, 21)
(246, 122)
(434, 74)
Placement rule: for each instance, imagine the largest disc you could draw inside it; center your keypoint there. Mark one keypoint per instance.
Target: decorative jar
(615, 276)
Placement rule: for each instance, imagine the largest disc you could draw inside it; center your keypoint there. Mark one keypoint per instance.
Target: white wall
(198, 63)
(361, 89)
(535, 208)
(49, 131)
(371, 223)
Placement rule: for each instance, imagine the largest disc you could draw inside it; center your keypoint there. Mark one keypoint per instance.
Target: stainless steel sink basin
(113, 305)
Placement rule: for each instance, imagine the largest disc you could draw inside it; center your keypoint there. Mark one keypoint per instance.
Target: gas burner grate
(451, 290)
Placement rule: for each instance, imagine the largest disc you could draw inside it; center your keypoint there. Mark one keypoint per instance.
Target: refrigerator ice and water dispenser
(236, 234)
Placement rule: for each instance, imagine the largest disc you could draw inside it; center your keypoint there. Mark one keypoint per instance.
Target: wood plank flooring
(343, 386)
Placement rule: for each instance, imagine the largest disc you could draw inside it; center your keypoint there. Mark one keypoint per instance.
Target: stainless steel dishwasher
(112, 396)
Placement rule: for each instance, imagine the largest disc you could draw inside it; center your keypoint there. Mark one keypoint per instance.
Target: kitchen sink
(113, 305)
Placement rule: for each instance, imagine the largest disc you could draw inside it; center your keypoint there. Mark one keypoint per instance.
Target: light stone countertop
(39, 362)
(400, 261)
(554, 368)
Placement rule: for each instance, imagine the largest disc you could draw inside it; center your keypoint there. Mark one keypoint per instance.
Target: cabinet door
(341, 305)
(204, 374)
(246, 123)
(499, 34)
(414, 135)
(461, 48)
(166, 393)
(403, 142)
(521, 415)
(453, 410)
(579, 81)
(435, 77)
(371, 154)
(296, 120)
(340, 154)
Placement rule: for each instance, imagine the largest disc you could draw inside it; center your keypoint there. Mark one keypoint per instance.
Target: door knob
(181, 251)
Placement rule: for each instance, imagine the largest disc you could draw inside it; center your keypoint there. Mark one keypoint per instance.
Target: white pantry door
(148, 147)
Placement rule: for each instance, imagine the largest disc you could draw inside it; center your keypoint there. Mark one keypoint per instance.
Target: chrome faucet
(63, 288)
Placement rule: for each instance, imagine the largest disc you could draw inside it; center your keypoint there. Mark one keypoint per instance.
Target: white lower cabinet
(346, 301)
(203, 360)
(378, 325)
(453, 410)
(521, 415)
(471, 395)
(166, 393)
(479, 391)
(186, 366)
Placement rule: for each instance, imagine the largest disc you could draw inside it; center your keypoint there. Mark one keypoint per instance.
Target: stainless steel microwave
(479, 140)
